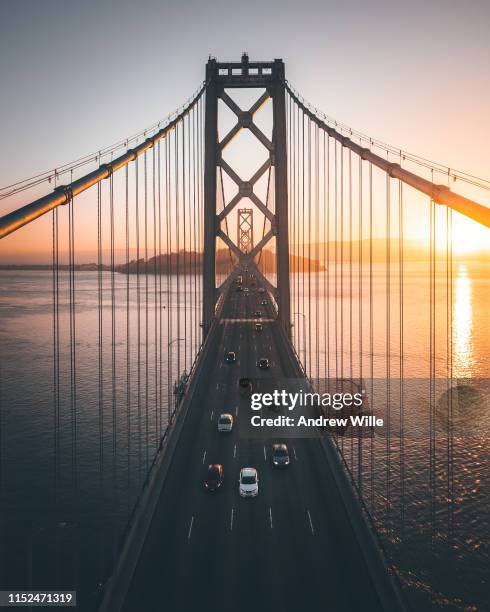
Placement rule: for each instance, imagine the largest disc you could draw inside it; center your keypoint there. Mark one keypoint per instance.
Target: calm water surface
(78, 498)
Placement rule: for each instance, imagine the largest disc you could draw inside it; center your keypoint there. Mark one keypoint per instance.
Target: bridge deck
(284, 550)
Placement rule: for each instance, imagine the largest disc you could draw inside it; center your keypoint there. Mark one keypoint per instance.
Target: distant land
(190, 262)
(319, 255)
(185, 262)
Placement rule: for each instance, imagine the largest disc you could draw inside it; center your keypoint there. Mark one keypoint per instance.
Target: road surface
(284, 550)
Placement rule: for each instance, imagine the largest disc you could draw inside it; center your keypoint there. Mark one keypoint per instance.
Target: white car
(225, 422)
(248, 483)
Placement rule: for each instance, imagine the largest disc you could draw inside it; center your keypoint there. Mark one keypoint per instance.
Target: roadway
(284, 550)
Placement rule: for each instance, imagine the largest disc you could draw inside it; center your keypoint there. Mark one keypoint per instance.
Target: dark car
(245, 386)
(259, 327)
(230, 357)
(258, 313)
(238, 288)
(214, 477)
(263, 363)
(280, 455)
(260, 290)
(263, 303)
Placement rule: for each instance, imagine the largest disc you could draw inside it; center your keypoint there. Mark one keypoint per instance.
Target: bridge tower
(245, 229)
(221, 76)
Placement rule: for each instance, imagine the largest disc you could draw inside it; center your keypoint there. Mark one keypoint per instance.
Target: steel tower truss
(258, 75)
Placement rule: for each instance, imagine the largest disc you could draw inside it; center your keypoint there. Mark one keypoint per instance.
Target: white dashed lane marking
(203, 457)
(311, 522)
(189, 534)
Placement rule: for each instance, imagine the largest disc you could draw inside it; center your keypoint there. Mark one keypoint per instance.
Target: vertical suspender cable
(184, 237)
(168, 222)
(324, 255)
(432, 449)
(155, 298)
(138, 316)
(351, 351)
(371, 326)
(145, 163)
(360, 304)
(341, 304)
(401, 342)
(100, 345)
(309, 249)
(317, 251)
(450, 450)
(128, 345)
(388, 349)
(336, 242)
(328, 260)
(160, 307)
(177, 232)
(306, 363)
(56, 387)
(113, 344)
(73, 396)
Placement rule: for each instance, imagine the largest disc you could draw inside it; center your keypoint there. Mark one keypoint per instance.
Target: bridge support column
(220, 77)
(279, 140)
(210, 153)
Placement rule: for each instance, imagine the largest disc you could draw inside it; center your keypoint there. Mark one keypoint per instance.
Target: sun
(468, 236)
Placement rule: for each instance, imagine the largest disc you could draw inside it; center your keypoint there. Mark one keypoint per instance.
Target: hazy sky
(78, 75)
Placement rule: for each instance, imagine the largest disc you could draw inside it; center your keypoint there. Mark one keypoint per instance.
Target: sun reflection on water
(463, 323)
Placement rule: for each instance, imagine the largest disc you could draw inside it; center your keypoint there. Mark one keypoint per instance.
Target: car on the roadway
(248, 482)
(245, 386)
(263, 303)
(230, 357)
(263, 363)
(258, 313)
(280, 455)
(214, 477)
(259, 327)
(225, 422)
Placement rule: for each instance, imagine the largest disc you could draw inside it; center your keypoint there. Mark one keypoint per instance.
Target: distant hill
(190, 262)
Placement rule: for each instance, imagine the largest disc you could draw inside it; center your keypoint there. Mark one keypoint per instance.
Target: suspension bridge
(294, 246)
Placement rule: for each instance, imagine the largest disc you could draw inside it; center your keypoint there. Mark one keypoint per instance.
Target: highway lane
(283, 550)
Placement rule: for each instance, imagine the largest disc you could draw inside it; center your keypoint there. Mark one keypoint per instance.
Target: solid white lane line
(190, 529)
(295, 456)
(234, 452)
(311, 522)
(203, 457)
(212, 414)
(231, 518)
(270, 516)
(265, 454)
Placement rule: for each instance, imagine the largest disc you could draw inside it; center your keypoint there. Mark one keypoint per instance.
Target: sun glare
(469, 236)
